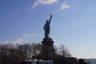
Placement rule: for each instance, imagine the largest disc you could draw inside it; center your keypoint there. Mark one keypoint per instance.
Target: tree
(10, 54)
(62, 51)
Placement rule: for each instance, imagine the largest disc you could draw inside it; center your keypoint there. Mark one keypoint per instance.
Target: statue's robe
(47, 29)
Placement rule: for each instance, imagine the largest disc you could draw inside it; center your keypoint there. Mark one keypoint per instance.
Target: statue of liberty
(47, 28)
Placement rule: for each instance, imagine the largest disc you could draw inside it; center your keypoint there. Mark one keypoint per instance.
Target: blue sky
(73, 23)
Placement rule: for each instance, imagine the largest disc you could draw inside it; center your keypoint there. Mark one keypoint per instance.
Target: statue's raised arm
(50, 18)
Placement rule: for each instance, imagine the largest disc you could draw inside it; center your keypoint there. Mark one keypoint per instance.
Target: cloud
(30, 35)
(14, 42)
(43, 2)
(25, 38)
(65, 5)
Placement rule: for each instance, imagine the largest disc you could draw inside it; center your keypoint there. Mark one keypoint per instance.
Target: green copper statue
(47, 28)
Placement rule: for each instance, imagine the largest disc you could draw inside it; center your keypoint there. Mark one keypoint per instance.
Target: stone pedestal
(48, 51)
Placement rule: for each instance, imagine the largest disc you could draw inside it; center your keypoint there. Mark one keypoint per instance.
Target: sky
(73, 23)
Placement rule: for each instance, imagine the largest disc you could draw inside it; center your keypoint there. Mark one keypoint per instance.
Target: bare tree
(62, 50)
(10, 54)
(36, 49)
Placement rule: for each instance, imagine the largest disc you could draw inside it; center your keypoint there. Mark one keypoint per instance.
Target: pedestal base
(48, 51)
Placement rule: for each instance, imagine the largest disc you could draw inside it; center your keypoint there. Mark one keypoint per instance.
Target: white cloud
(43, 2)
(14, 42)
(30, 35)
(25, 38)
(65, 5)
